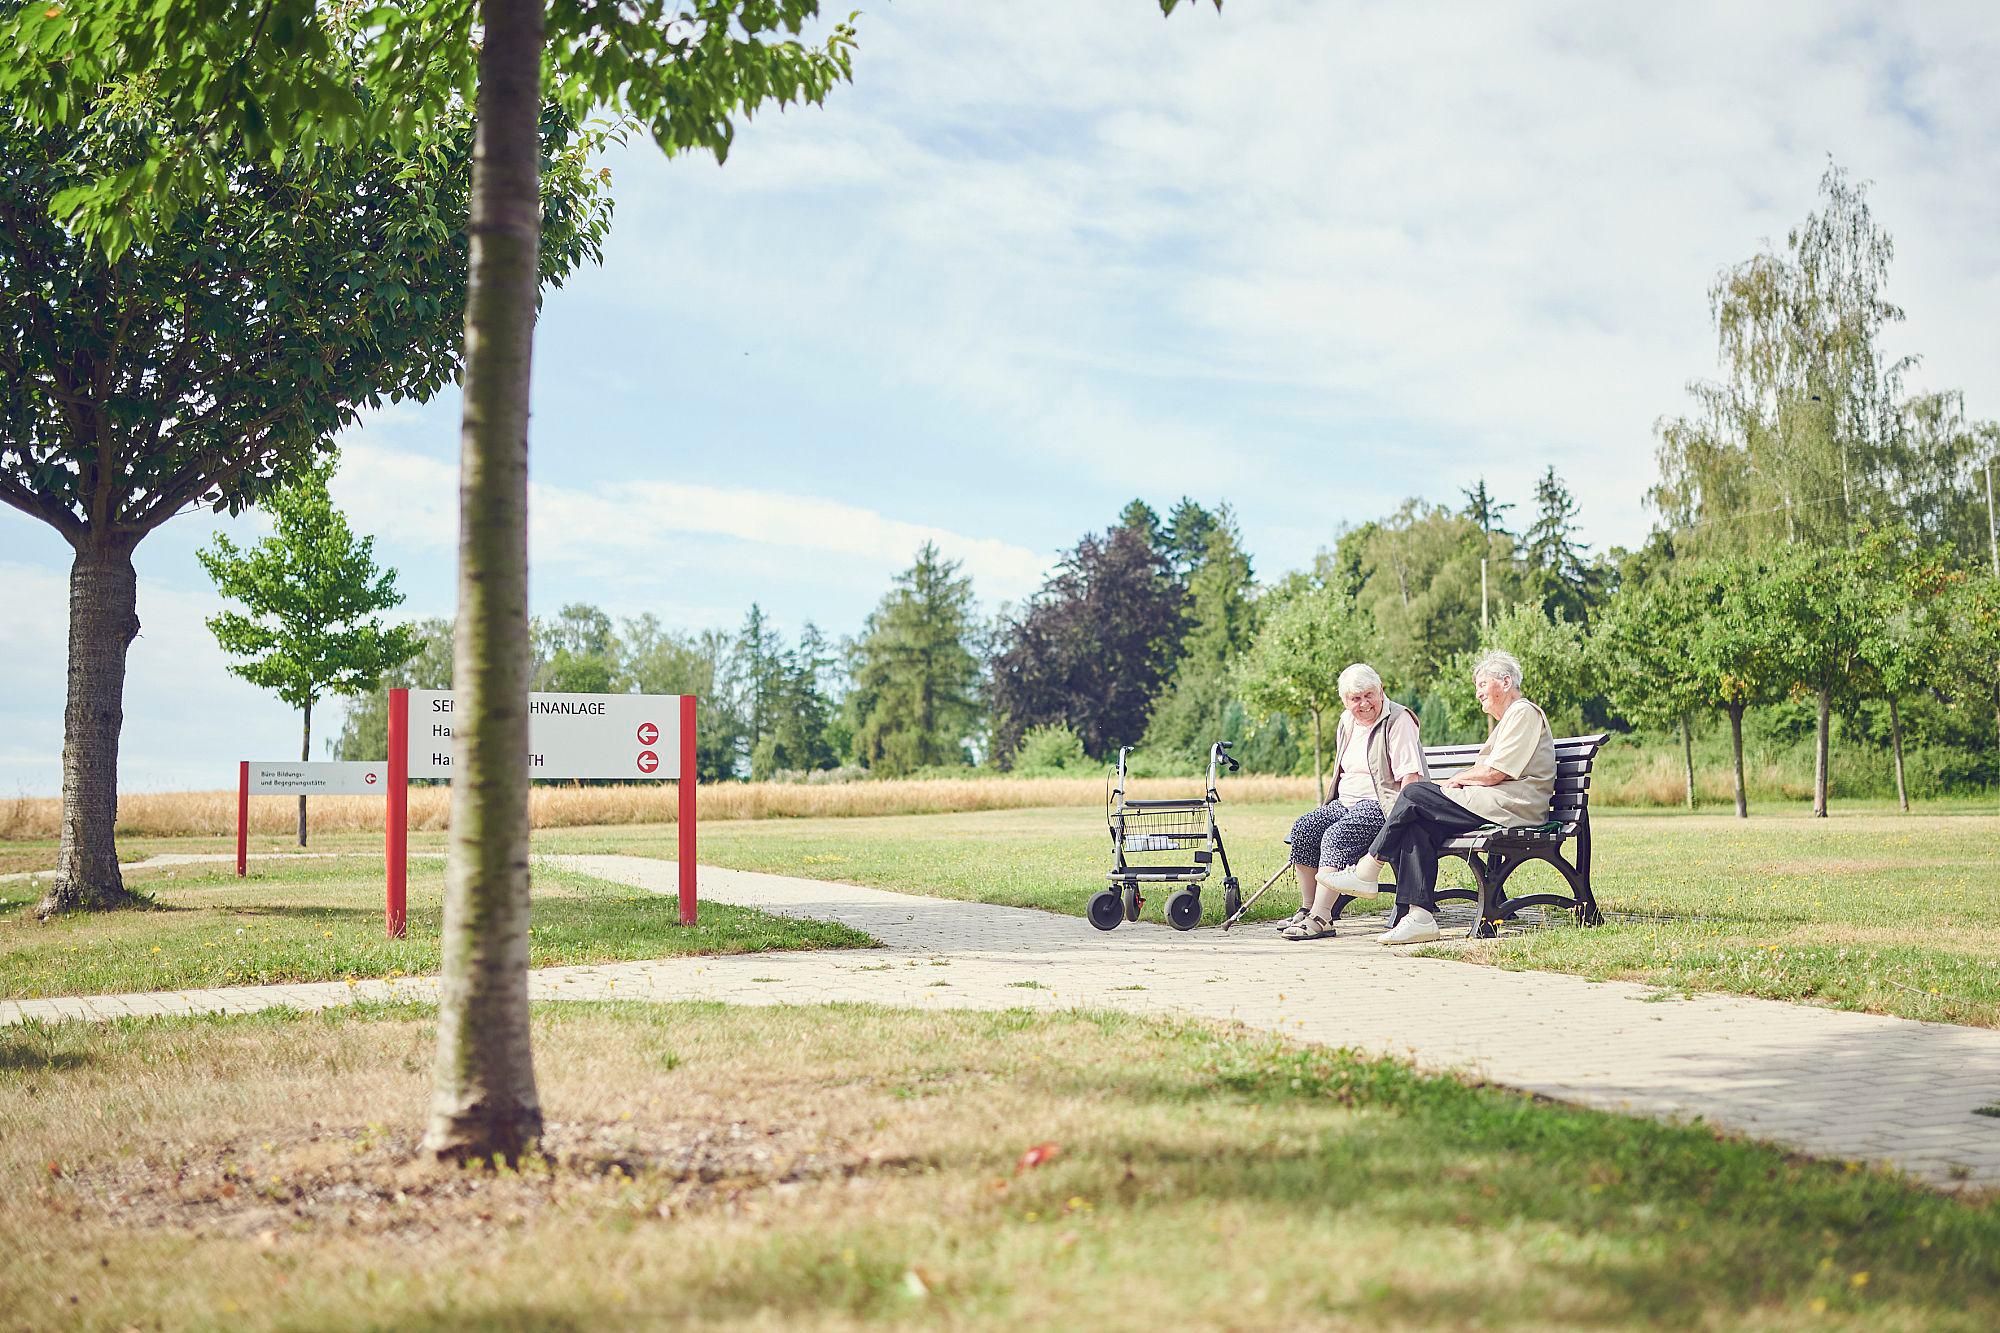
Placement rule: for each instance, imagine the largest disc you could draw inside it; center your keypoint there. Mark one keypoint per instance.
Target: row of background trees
(1866, 604)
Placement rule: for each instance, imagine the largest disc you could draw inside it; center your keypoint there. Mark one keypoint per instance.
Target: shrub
(1052, 751)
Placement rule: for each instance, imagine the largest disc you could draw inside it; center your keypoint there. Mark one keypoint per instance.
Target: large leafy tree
(1732, 646)
(312, 596)
(211, 361)
(1644, 646)
(1092, 648)
(1796, 440)
(1295, 664)
(252, 81)
(1907, 643)
(916, 673)
(1818, 604)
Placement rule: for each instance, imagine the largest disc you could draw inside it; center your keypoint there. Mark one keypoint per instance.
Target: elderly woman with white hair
(1510, 785)
(1376, 752)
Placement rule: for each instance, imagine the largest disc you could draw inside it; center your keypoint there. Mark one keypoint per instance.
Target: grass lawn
(321, 920)
(829, 1167)
(1896, 914)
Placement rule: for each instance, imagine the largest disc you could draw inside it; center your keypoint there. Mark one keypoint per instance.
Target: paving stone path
(1839, 1085)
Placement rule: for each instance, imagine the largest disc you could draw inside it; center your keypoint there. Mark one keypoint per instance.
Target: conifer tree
(917, 678)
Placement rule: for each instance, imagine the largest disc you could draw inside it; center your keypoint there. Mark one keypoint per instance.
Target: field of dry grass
(213, 813)
(840, 1167)
(1625, 779)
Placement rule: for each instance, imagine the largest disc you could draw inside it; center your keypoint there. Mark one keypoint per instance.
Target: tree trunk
(1896, 744)
(1736, 745)
(1319, 766)
(305, 756)
(1687, 756)
(103, 621)
(484, 1103)
(1820, 753)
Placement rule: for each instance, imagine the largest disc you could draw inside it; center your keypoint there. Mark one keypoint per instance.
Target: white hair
(1497, 665)
(1360, 676)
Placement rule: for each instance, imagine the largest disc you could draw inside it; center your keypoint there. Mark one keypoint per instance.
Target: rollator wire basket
(1163, 842)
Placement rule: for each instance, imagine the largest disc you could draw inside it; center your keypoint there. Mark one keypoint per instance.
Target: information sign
(629, 736)
(318, 778)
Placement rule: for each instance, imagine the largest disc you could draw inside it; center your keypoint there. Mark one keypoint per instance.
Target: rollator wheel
(1184, 910)
(1106, 909)
(1133, 902)
(1232, 900)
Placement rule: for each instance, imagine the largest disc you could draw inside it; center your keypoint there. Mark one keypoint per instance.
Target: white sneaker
(1346, 880)
(1416, 927)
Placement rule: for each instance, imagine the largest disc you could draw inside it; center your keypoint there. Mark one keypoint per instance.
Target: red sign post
(242, 818)
(684, 815)
(396, 829)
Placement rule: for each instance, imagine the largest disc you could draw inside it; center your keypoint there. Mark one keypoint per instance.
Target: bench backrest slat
(1575, 756)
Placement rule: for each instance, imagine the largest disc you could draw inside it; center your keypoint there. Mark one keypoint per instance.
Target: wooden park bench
(1495, 853)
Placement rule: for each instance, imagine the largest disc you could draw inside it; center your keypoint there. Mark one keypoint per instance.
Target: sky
(1305, 257)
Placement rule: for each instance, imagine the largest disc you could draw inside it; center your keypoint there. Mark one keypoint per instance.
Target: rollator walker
(1182, 830)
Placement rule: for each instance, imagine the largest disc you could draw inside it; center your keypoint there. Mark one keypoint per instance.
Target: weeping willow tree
(1799, 438)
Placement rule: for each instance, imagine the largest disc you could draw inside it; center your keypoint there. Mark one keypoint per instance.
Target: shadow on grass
(25, 1050)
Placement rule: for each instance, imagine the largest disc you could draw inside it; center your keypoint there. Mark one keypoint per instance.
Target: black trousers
(1422, 818)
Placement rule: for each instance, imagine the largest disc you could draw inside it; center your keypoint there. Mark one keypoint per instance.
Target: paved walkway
(1837, 1085)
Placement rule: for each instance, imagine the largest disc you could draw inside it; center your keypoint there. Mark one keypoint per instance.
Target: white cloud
(649, 530)
(1444, 238)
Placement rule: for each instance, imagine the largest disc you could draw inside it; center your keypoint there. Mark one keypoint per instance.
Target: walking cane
(1251, 901)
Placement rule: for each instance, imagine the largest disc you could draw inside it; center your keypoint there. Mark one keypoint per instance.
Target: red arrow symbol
(648, 733)
(368, 778)
(648, 761)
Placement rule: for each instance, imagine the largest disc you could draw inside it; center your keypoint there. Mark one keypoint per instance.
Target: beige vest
(1379, 767)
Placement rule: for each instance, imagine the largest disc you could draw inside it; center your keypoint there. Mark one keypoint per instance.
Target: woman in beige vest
(1510, 785)
(1376, 753)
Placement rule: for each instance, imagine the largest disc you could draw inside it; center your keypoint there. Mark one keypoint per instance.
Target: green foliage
(653, 660)
(311, 592)
(1555, 667)
(364, 731)
(1092, 648)
(1416, 573)
(1807, 434)
(211, 363)
(915, 700)
(1553, 557)
(1819, 603)
(1294, 666)
(1052, 751)
(1221, 624)
(800, 738)
(295, 79)
(1643, 652)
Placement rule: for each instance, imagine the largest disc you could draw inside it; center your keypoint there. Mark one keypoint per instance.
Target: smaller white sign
(318, 778)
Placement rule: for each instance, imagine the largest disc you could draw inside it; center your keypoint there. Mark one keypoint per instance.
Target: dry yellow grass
(176, 814)
(843, 1168)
